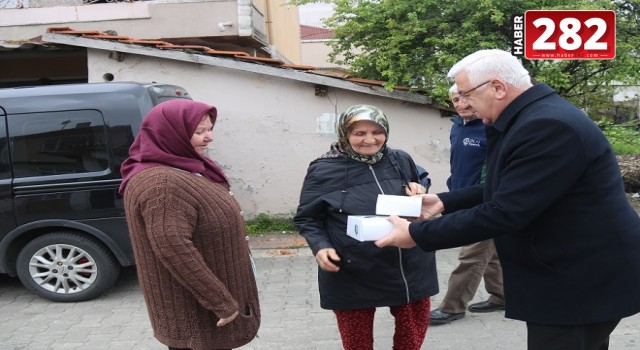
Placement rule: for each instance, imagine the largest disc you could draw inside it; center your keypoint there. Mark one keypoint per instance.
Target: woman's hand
(326, 258)
(414, 188)
(226, 320)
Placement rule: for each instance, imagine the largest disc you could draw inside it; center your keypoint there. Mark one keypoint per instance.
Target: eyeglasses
(464, 95)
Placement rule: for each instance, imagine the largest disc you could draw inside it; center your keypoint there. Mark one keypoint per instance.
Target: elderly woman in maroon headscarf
(188, 234)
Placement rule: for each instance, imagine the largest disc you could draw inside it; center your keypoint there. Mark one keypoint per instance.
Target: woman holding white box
(355, 277)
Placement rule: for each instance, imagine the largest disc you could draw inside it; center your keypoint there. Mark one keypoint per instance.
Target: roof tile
(144, 42)
(67, 30)
(315, 33)
(107, 37)
(239, 55)
(226, 53)
(329, 73)
(299, 67)
(261, 59)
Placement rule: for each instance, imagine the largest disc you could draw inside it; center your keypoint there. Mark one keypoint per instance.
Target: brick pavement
(292, 318)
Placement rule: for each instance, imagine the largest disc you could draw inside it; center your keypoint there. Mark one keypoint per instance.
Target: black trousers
(585, 337)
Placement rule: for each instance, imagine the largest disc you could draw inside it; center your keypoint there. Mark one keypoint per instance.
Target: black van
(62, 225)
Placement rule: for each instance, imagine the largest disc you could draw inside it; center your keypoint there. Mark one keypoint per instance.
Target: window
(56, 143)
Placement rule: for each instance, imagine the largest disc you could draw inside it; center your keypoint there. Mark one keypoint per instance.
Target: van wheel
(67, 267)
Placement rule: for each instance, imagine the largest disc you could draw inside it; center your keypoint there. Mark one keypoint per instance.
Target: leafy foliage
(624, 138)
(414, 43)
(263, 223)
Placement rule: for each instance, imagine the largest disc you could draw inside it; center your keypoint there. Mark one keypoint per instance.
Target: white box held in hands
(398, 205)
(368, 227)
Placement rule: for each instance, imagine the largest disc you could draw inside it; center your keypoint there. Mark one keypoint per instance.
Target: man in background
(476, 260)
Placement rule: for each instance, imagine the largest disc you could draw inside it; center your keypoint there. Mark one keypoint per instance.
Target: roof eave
(275, 71)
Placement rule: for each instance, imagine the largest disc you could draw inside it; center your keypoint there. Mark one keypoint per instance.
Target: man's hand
(399, 236)
(326, 259)
(226, 320)
(431, 206)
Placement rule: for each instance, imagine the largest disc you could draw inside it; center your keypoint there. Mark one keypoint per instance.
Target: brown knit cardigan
(192, 259)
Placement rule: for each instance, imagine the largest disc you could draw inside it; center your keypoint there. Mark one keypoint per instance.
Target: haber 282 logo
(569, 35)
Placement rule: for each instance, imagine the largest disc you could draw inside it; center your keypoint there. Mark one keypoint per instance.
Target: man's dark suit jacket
(567, 237)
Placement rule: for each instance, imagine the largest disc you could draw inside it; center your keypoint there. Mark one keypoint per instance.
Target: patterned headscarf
(165, 139)
(345, 122)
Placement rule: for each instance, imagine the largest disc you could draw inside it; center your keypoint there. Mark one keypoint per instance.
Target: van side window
(56, 143)
(5, 169)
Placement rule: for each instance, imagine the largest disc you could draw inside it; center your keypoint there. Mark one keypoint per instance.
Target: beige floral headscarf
(345, 121)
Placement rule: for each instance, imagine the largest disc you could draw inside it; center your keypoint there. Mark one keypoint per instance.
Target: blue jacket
(553, 199)
(369, 276)
(468, 152)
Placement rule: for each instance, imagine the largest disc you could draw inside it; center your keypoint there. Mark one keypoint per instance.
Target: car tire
(67, 267)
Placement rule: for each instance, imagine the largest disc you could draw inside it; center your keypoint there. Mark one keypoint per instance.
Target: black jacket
(566, 235)
(369, 276)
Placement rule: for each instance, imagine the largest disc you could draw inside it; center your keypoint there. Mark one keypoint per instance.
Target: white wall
(137, 19)
(269, 128)
(316, 53)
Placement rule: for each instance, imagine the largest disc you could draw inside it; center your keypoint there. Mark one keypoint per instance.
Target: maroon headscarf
(165, 139)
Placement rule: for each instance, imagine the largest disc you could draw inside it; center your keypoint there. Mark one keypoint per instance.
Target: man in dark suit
(553, 201)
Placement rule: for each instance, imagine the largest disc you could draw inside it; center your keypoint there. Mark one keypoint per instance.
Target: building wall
(316, 53)
(162, 19)
(270, 128)
(138, 19)
(283, 28)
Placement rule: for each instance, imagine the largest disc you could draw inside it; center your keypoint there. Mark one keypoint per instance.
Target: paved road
(292, 318)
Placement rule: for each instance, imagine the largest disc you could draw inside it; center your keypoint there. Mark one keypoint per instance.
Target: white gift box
(368, 227)
(398, 205)
(374, 227)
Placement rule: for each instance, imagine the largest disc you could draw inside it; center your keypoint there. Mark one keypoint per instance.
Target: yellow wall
(282, 26)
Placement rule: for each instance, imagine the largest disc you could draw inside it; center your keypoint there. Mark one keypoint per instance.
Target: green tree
(414, 43)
